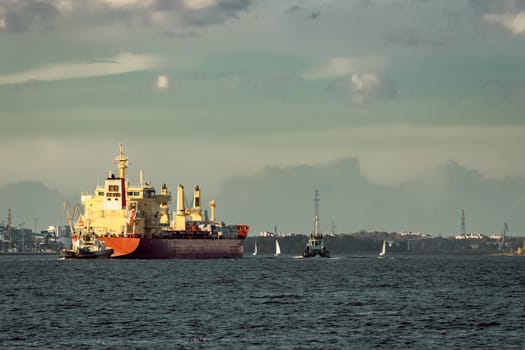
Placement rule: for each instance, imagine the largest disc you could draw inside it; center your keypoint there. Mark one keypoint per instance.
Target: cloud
(407, 151)
(335, 67)
(206, 12)
(513, 22)
(411, 37)
(163, 81)
(340, 66)
(500, 6)
(363, 88)
(20, 16)
(508, 14)
(122, 63)
(127, 3)
(199, 4)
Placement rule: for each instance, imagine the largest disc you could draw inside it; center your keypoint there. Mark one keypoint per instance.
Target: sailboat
(383, 250)
(277, 248)
(255, 250)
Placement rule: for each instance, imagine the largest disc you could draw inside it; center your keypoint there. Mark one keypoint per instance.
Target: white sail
(255, 249)
(383, 249)
(277, 248)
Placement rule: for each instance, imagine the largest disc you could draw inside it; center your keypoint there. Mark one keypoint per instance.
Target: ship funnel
(212, 206)
(180, 218)
(197, 197)
(180, 199)
(141, 178)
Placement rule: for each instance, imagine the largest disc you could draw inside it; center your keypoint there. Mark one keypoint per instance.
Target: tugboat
(86, 246)
(315, 246)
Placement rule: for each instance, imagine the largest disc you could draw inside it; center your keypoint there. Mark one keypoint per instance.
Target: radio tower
(463, 231)
(9, 222)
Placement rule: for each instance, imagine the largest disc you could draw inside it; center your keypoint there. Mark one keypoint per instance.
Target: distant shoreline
(29, 253)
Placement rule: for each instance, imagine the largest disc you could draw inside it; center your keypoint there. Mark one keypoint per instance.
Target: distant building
(266, 234)
(414, 234)
(470, 236)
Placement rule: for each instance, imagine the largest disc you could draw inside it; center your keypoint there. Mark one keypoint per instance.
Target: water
(350, 302)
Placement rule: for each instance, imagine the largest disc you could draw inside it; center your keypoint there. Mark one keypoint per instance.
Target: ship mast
(316, 214)
(122, 162)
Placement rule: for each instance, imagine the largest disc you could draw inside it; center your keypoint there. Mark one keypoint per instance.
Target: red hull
(173, 248)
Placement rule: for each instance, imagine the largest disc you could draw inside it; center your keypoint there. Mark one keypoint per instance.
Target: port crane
(66, 209)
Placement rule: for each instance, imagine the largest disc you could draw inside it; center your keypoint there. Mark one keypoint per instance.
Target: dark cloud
(24, 15)
(496, 6)
(412, 204)
(218, 13)
(213, 14)
(21, 16)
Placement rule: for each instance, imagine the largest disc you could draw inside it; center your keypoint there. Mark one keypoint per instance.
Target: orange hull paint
(121, 246)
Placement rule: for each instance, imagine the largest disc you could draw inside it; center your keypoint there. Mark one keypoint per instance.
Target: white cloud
(361, 88)
(513, 22)
(127, 3)
(334, 67)
(65, 6)
(199, 4)
(124, 62)
(163, 81)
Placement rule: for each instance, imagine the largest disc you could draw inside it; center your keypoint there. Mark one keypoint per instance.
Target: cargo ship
(135, 221)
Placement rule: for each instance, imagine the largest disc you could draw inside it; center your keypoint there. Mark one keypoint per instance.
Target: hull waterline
(159, 248)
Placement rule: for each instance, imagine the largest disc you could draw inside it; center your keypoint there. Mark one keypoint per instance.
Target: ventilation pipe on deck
(212, 206)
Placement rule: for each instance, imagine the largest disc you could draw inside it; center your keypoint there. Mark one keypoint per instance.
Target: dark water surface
(349, 302)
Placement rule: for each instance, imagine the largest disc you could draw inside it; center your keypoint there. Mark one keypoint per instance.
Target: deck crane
(71, 216)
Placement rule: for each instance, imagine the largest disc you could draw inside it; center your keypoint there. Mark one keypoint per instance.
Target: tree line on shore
(370, 243)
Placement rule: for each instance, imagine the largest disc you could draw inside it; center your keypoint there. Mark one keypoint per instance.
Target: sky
(200, 91)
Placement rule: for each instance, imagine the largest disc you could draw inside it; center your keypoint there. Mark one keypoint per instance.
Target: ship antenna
(122, 162)
(316, 213)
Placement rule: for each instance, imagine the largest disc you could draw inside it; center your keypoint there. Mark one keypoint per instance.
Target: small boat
(383, 250)
(277, 248)
(255, 250)
(315, 246)
(86, 246)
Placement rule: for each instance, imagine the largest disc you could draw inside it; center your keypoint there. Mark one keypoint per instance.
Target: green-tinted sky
(201, 90)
